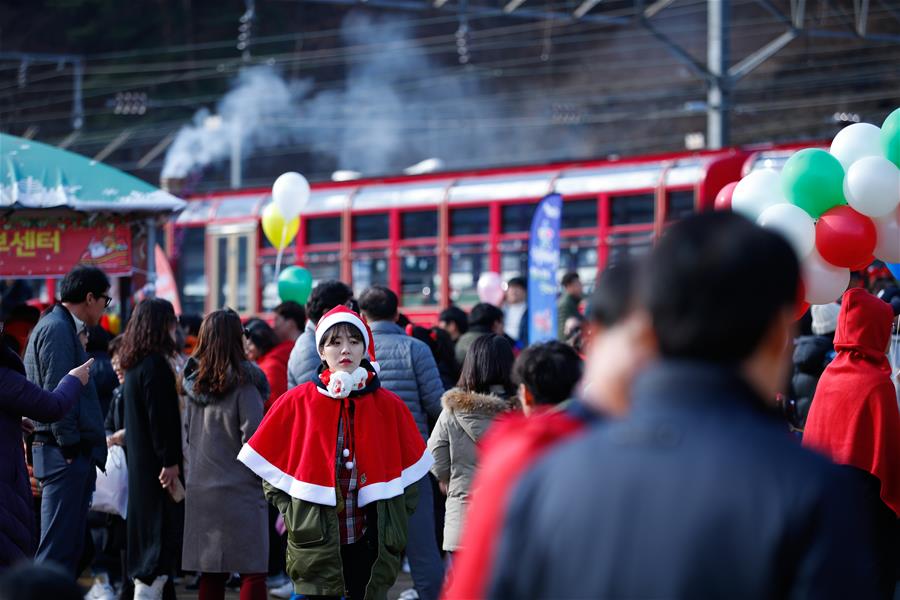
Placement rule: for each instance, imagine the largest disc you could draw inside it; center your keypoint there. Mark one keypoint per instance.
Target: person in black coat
(699, 492)
(812, 353)
(153, 437)
(102, 372)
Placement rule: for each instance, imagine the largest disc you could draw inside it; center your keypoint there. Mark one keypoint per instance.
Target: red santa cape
(854, 417)
(295, 446)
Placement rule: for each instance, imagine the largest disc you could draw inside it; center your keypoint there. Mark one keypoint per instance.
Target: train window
(222, 253)
(323, 266)
(467, 263)
(419, 280)
(191, 245)
(269, 282)
(513, 259)
(629, 245)
(577, 214)
(243, 283)
(419, 224)
(579, 254)
(469, 221)
(369, 267)
(370, 227)
(233, 208)
(516, 217)
(680, 204)
(323, 230)
(633, 209)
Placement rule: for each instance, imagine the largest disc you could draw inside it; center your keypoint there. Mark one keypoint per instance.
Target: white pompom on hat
(342, 314)
(825, 318)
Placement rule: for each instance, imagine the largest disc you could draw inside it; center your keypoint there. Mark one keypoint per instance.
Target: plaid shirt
(352, 519)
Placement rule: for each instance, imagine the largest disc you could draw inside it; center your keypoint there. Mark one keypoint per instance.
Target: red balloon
(844, 237)
(723, 198)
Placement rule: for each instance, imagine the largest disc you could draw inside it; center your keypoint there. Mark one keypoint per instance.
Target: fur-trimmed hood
(461, 401)
(474, 412)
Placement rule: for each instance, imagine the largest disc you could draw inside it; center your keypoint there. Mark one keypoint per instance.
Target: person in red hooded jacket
(854, 417)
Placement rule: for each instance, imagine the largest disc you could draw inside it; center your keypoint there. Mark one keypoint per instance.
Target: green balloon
(294, 284)
(813, 179)
(890, 137)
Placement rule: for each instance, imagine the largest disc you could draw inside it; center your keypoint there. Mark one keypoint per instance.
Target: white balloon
(756, 192)
(824, 282)
(490, 288)
(855, 142)
(872, 186)
(887, 229)
(290, 194)
(794, 224)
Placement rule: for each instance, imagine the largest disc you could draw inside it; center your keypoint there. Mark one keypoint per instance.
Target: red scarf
(854, 417)
(295, 445)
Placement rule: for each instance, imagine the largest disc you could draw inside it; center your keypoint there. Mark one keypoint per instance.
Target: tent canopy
(36, 175)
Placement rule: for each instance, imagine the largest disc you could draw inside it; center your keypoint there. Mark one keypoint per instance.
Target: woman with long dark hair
(226, 516)
(483, 392)
(153, 423)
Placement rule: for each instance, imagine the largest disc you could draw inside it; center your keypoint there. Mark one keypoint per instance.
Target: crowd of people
(675, 441)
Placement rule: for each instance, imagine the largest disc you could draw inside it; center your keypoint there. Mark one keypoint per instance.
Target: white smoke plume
(395, 107)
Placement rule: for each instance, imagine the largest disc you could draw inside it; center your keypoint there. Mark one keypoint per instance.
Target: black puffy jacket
(812, 353)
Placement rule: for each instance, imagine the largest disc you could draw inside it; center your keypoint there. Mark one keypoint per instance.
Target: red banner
(49, 251)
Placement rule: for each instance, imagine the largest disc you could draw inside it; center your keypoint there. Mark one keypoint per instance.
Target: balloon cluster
(837, 208)
(280, 224)
(281, 218)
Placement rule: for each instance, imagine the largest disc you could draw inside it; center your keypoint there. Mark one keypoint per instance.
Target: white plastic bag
(111, 492)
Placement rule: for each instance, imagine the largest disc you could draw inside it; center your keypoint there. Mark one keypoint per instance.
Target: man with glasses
(66, 452)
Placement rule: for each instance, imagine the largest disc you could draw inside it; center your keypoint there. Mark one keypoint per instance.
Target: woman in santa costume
(339, 458)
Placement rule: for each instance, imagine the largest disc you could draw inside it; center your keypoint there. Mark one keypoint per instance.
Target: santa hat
(342, 314)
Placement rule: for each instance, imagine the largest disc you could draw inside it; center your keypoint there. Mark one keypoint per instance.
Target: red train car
(429, 237)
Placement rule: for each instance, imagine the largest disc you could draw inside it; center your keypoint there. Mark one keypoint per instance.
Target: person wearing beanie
(345, 481)
(812, 353)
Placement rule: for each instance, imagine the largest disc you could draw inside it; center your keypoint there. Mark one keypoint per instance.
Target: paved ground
(403, 582)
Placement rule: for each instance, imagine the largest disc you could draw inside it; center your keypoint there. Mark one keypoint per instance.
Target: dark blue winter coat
(53, 350)
(21, 398)
(699, 493)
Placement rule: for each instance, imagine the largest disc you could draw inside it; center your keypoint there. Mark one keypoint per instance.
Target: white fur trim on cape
(341, 317)
(384, 490)
(301, 490)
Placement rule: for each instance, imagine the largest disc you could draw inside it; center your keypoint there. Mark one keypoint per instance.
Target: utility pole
(77, 62)
(718, 94)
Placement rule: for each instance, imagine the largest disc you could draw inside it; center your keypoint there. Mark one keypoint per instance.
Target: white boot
(142, 591)
(101, 590)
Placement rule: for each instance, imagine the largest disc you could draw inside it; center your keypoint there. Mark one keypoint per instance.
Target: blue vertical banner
(543, 262)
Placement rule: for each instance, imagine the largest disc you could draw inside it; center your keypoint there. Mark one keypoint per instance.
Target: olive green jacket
(314, 548)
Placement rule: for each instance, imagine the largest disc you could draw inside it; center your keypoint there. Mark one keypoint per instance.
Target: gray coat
(226, 516)
(453, 444)
(305, 360)
(408, 369)
(53, 350)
